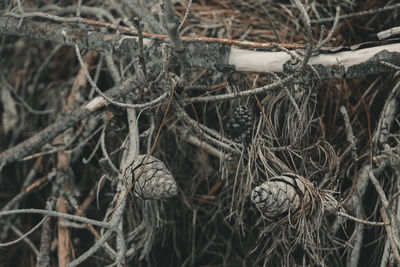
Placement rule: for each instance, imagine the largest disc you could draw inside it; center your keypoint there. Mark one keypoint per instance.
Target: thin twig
(394, 222)
(299, 115)
(56, 214)
(331, 32)
(358, 14)
(186, 15)
(24, 235)
(99, 243)
(110, 100)
(46, 135)
(390, 65)
(65, 148)
(182, 114)
(269, 20)
(350, 133)
(343, 214)
(10, 88)
(142, 59)
(265, 89)
(46, 237)
(104, 149)
(29, 242)
(395, 249)
(307, 24)
(176, 42)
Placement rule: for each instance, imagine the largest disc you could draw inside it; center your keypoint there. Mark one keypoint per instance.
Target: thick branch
(346, 64)
(213, 54)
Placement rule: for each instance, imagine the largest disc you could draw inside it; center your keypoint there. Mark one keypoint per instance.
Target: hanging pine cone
(151, 178)
(240, 124)
(283, 196)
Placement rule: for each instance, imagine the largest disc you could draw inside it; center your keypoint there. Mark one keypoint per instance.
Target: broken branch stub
(152, 179)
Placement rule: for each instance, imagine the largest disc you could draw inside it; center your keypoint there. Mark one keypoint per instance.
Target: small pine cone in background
(282, 196)
(240, 124)
(151, 178)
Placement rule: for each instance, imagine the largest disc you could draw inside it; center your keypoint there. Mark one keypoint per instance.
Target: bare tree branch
(213, 53)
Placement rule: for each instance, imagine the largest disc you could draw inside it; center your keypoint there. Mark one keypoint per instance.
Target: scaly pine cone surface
(151, 178)
(281, 197)
(240, 124)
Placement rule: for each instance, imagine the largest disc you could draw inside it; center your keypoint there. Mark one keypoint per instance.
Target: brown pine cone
(151, 178)
(282, 196)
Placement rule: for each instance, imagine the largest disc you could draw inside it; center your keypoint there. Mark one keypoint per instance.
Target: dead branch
(64, 123)
(214, 55)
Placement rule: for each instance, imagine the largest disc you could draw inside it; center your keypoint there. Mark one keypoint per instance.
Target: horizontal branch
(204, 55)
(57, 214)
(347, 64)
(212, 53)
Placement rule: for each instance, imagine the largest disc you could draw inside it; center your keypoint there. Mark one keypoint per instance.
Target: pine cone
(282, 196)
(240, 124)
(152, 180)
